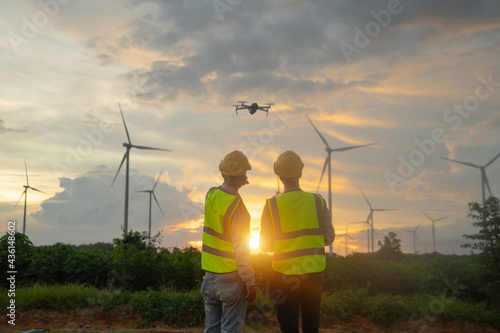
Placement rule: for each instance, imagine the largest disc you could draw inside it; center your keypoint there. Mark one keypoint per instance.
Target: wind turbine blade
(417, 226)
(368, 202)
(486, 181)
(349, 236)
(157, 179)
(376, 233)
(441, 218)
(416, 236)
(430, 218)
(464, 163)
(322, 173)
(154, 196)
(382, 209)
(368, 219)
(493, 160)
(321, 136)
(353, 147)
(126, 130)
(24, 192)
(34, 189)
(144, 191)
(26, 169)
(142, 147)
(123, 160)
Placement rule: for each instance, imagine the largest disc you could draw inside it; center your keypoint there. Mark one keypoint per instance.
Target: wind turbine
(25, 193)
(128, 145)
(346, 235)
(484, 178)
(367, 225)
(152, 194)
(278, 192)
(414, 231)
(370, 215)
(433, 232)
(328, 161)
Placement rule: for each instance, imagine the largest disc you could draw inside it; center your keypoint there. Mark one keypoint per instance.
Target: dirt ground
(116, 320)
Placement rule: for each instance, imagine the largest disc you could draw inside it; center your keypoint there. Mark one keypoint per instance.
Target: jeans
(291, 293)
(225, 304)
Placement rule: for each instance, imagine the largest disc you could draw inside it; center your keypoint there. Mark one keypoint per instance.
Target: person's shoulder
(210, 190)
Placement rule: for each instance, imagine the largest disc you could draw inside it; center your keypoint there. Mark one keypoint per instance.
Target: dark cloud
(256, 47)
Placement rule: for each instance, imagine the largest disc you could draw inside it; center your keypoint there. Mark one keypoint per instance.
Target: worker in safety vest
(229, 279)
(296, 227)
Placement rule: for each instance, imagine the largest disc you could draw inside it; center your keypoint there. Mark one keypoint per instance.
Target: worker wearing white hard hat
(229, 279)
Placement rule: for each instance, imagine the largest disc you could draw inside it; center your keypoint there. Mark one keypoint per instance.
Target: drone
(253, 107)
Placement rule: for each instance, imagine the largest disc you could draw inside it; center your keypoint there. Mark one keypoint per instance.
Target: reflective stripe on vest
(217, 253)
(298, 241)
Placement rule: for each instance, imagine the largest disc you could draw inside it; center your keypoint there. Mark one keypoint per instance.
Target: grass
(186, 308)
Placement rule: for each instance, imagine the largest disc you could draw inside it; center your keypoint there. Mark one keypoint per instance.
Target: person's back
(225, 252)
(295, 226)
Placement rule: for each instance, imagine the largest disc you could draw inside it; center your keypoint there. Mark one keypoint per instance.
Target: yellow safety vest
(217, 254)
(298, 241)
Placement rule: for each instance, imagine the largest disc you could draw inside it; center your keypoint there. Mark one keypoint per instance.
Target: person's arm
(326, 226)
(240, 234)
(266, 231)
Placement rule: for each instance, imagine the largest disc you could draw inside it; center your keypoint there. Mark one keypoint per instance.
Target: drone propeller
(242, 102)
(270, 104)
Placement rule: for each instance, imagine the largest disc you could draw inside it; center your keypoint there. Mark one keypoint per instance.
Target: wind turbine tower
(414, 231)
(370, 216)
(367, 226)
(328, 161)
(346, 235)
(128, 145)
(152, 194)
(25, 194)
(433, 231)
(484, 178)
(278, 192)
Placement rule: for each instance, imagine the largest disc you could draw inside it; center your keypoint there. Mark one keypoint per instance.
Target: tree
(391, 248)
(138, 240)
(487, 241)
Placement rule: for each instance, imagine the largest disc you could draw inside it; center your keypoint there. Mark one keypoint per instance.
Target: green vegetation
(186, 308)
(157, 284)
(488, 242)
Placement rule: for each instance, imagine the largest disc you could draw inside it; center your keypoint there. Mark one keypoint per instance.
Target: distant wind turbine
(346, 235)
(367, 226)
(414, 231)
(128, 145)
(370, 216)
(484, 178)
(152, 194)
(25, 193)
(328, 161)
(278, 192)
(433, 232)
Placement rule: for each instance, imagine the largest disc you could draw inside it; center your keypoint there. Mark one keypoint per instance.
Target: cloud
(5, 129)
(88, 202)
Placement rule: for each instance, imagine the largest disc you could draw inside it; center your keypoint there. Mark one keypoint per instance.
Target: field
(129, 286)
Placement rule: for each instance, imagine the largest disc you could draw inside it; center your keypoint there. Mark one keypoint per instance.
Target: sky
(419, 78)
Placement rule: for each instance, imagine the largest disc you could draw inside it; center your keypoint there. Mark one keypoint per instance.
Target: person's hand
(251, 293)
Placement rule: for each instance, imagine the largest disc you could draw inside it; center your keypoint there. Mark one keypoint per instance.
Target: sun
(254, 242)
